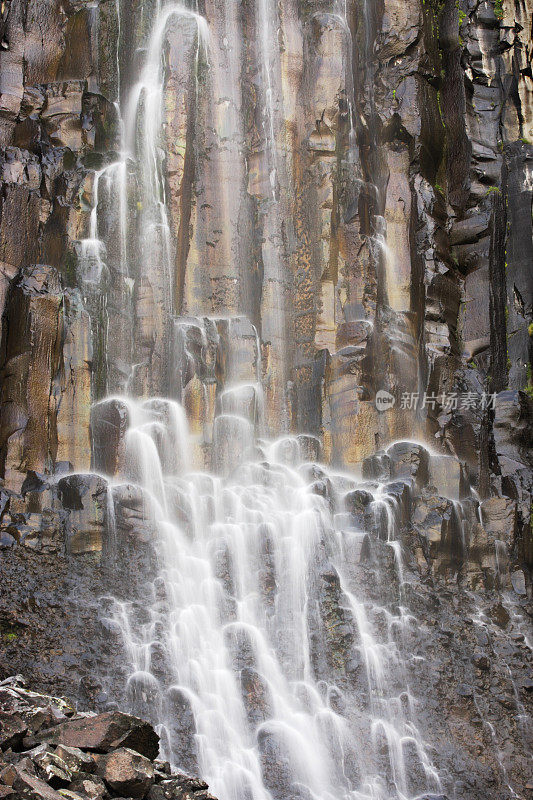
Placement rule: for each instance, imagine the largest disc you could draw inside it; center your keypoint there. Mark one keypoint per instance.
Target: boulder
(357, 500)
(14, 697)
(105, 732)
(85, 499)
(8, 774)
(357, 503)
(180, 786)
(76, 760)
(52, 768)
(409, 461)
(29, 787)
(126, 772)
(90, 787)
(12, 731)
(377, 467)
(40, 717)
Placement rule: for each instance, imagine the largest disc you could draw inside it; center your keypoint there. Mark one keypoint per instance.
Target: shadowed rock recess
(226, 229)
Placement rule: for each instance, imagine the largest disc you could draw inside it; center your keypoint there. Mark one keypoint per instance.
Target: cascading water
(143, 126)
(92, 250)
(238, 628)
(274, 648)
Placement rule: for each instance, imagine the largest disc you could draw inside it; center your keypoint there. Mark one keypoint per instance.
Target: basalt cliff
(265, 385)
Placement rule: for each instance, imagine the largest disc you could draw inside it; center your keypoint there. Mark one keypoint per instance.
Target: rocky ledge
(51, 751)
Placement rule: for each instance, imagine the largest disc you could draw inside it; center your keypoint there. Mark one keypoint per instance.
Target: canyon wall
(343, 207)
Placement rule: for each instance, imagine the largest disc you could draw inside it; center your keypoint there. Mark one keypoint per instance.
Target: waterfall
(238, 627)
(273, 649)
(266, 392)
(143, 130)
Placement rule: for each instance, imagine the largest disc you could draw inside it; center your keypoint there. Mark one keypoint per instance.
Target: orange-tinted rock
(44, 382)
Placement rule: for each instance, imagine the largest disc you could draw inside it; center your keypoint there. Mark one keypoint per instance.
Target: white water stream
(259, 644)
(259, 574)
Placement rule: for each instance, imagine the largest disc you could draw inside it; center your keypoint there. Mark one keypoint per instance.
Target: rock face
(267, 213)
(374, 223)
(46, 376)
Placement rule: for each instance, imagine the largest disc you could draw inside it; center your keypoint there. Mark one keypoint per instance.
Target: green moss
(461, 17)
(498, 9)
(70, 267)
(529, 386)
(9, 631)
(439, 107)
(492, 190)
(530, 329)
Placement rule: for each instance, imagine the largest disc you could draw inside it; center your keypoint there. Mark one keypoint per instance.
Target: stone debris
(81, 756)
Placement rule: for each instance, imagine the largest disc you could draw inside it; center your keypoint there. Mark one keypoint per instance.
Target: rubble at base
(49, 751)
